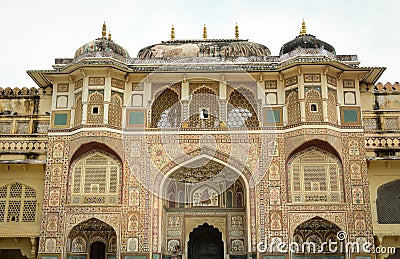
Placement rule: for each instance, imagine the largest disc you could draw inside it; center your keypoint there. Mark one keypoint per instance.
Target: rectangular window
(273, 116)
(136, 118)
(350, 115)
(60, 119)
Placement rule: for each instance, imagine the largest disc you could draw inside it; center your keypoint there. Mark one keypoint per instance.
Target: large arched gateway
(92, 239)
(206, 210)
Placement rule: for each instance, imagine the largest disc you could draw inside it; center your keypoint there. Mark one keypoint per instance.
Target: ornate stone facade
(139, 159)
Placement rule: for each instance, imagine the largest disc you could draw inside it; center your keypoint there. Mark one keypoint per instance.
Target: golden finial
(303, 30)
(205, 32)
(109, 35)
(236, 32)
(104, 32)
(172, 33)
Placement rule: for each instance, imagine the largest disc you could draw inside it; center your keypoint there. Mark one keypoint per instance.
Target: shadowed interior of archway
(316, 231)
(205, 184)
(205, 242)
(93, 237)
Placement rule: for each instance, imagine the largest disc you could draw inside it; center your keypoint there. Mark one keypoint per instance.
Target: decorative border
(78, 84)
(291, 81)
(77, 256)
(137, 86)
(349, 83)
(361, 256)
(48, 256)
(97, 81)
(271, 84)
(331, 80)
(273, 256)
(63, 88)
(125, 255)
(312, 78)
(117, 83)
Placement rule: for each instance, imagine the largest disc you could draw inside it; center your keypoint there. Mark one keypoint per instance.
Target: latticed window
(182, 196)
(115, 110)
(95, 107)
(204, 108)
(316, 231)
(166, 110)
(332, 110)
(241, 109)
(17, 203)
(388, 203)
(78, 111)
(313, 104)
(315, 176)
(95, 179)
(293, 106)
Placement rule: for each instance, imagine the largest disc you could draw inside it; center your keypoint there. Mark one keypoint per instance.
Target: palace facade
(209, 148)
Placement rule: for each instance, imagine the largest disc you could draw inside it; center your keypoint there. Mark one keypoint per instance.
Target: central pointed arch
(93, 238)
(311, 235)
(244, 193)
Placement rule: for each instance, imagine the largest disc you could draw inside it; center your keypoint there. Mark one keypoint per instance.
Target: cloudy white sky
(34, 33)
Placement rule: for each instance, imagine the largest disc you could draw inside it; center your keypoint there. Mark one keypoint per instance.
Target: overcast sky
(34, 33)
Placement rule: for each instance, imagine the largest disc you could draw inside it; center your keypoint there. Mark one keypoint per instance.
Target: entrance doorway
(94, 238)
(98, 250)
(205, 242)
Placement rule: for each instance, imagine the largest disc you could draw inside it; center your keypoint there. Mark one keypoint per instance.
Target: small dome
(102, 47)
(204, 48)
(306, 41)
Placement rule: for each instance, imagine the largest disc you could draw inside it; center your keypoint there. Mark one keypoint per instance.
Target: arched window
(204, 108)
(332, 113)
(188, 188)
(314, 102)
(17, 203)
(78, 245)
(166, 110)
(96, 179)
(241, 109)
(95, 108)
(78, 111)
(88, 235)
(317, 232)
(315, 176)
(388, 203)
(293, 106)
(115, 110)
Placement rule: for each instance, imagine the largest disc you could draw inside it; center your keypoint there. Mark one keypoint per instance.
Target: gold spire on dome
(172, 33)
(104, 32)
(205, 32)
(109, 35)
(303, 30)
(236, 32)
